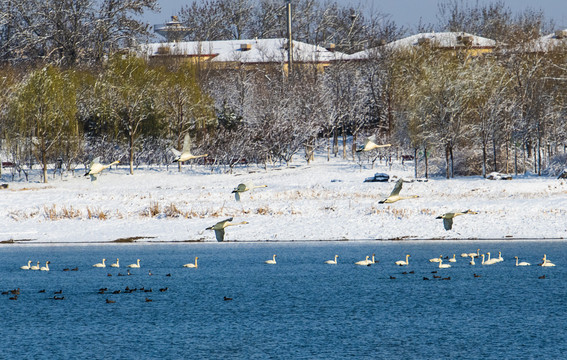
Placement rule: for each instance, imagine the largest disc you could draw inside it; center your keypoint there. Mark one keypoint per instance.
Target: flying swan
(243, 188)
(221, 225)
(185, 153)
(95, 168)
(395, 194)
(448, 218)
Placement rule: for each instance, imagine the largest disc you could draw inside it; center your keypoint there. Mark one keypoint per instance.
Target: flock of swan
(368, 261)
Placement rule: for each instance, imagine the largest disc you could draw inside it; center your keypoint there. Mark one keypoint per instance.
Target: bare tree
(69, 31)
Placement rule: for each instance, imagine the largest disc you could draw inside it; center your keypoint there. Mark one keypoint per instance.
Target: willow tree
(126, 95)
(44, 110)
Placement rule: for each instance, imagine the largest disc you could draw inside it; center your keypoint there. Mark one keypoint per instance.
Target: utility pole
(289, 40)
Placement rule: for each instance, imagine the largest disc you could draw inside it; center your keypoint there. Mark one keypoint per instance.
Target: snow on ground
(318, 201)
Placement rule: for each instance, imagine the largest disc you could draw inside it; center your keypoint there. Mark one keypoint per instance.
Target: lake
(298, 308)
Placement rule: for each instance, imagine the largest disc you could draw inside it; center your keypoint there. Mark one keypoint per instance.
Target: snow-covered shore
(318, 201)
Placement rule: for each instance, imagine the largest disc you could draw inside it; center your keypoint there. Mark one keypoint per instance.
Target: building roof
(549, 42)
(245, 51)
(449, 40)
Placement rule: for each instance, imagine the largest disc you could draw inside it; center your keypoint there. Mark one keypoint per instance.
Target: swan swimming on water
(35, 267)
(100, 265)
(364, 262)
(192, 265)
(136, 265)
(116, 264)
(332, 262)
(26, 267)
(443, 266)
(46, 267)
(436, 259)
(403, 263)
(546, 262)
(523, 263)
(271, 262)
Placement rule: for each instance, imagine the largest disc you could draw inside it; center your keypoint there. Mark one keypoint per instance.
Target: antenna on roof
(290, 42)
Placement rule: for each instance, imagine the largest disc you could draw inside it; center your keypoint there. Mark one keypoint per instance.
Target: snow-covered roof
(444, 40)
(550, 41)
(245, 51)
(450, 40)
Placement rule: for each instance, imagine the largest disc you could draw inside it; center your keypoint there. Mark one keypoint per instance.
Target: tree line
(455, 113)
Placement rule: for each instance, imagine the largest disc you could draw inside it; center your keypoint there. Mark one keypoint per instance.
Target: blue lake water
(299, 308)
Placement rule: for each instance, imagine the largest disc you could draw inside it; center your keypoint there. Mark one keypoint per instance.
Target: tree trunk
(131, 150)
(426, 162)
(353, 147)
(452, 160)
(494, 164)
(44, 164)
(515, 160)
(483, 159)
(335, 142)
(415, 162)
(344, 142)
(447, 171)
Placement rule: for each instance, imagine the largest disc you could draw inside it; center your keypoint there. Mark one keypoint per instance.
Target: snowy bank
(318, 201)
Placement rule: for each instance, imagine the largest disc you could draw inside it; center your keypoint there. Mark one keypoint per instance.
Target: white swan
(523, 263)
(472, 261)
(332, 262)
(490, 261)
(448, 217)
(35, 267)
(243, 188)
(46, 267)
(221, 225)
(476, 254)
(26, 267)
(453, 259)
(185, 153)
(272, 262)
(373, 261)
(365, 262)
(116, 264)
(95, 168)
(546, 262)
(395, 194)
(403, 263)
(191, 265)
(436, 259)
(136, 265)
(370, 144)
(100, 265)
(443, 266)
(500, 258)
